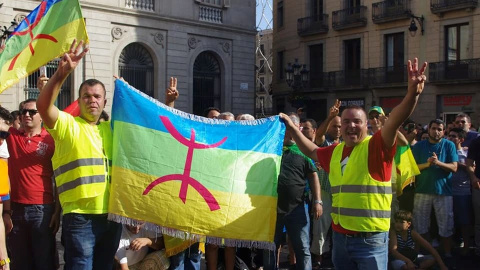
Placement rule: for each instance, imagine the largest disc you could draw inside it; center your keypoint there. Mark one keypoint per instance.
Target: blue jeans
(90, 241)
(189, 259)
(297, 223)
(32, 242)
(360, 252)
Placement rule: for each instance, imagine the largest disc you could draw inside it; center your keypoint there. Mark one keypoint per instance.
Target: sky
(264, 7)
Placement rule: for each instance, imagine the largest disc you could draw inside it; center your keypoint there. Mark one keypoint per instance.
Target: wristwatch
(318, 201)
(4, 261)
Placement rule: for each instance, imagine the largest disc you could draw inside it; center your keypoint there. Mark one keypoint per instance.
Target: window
(394, 52)
(394, 57)
(206, 82)
(316, 65)
(64, 97)
(280, 13)
(262, 84)
(352, 61)
(262, 67)
(136, 67)
(457, 45)
(262, 49)
(211, 2)
(280, 66)
(317, 8)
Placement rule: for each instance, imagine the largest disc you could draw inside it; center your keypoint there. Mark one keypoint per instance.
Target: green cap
(377, 109)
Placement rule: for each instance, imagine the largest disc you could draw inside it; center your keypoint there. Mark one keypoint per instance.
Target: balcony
(317, 24)
(390, 10)
(143, 5)
(348, 79)
(442, 6)
(349, 18)
(451, 72)
(387, 76)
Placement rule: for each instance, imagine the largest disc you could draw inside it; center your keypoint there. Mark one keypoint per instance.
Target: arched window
(206, 83)
(136, 67)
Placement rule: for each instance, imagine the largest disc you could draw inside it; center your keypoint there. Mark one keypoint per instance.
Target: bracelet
(319, 202)
(9, 212)
(4, 261)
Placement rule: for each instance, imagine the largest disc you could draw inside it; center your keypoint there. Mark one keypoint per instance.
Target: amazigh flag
(43, 35)
(406, 168)
(190, 176)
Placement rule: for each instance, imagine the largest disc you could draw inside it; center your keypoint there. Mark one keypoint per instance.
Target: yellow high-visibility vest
(84, 172)
(359, 202)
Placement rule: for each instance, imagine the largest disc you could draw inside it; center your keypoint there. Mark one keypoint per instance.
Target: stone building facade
(356, 51)
(209, 45)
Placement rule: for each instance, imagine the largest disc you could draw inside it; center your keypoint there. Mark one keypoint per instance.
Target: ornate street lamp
(296, 75)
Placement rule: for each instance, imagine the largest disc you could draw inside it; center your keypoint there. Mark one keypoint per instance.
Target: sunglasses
(32, 112)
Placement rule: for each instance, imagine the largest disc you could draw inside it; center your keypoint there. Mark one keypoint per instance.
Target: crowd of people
(335, 192)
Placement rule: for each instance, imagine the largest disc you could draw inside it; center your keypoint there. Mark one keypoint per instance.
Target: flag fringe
(191, 236)
(202, 119)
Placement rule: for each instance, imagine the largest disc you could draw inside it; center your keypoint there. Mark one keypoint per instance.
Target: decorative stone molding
(193, 42)
(226, 47)
(158, 38)
(19, 17)
(117, 33)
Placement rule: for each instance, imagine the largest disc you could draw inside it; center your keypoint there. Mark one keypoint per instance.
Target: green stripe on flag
(214, 168)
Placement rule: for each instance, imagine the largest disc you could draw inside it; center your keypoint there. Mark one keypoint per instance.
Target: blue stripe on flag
(258, 135)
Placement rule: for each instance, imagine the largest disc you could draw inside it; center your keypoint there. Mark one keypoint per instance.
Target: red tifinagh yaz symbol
(185, 177)
(29, 30)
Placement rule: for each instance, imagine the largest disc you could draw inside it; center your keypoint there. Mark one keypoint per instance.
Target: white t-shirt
(4, 150)
(125, 254)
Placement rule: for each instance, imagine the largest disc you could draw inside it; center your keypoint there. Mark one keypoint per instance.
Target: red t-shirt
(379, 163)
(30, 167)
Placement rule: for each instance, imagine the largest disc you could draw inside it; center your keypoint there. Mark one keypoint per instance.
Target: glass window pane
(464, 44)
(452, 43)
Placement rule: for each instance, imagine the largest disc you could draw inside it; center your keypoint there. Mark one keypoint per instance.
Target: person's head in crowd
(436, 130)
(463, 121)
(91, 100)
(374, 118)
(354, 125)
(226, 116)
(16, 119)
(211, 112)
(457, 136)
(5, 119)
(449, 127)
(104, 117)
(424, 136)
(29, 117)
(20, 105)
(308, 127)
(301, 112)
(403, 220)
(245, 116)
(287, 139)
(334, 129)
(409, 130)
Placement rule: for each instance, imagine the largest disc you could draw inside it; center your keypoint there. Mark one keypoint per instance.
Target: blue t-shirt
(471, 135)
(434, 180)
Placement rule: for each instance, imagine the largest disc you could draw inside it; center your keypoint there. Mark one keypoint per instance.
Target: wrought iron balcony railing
(387, 76)
(317, 24)
(448, 72)
(349, 18)
(390, 10)
(348, 79)
(441, 6)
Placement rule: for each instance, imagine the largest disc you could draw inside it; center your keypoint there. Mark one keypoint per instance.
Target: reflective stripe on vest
(369, 213)
(361, 189)
(77, 163)
(81, 181)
